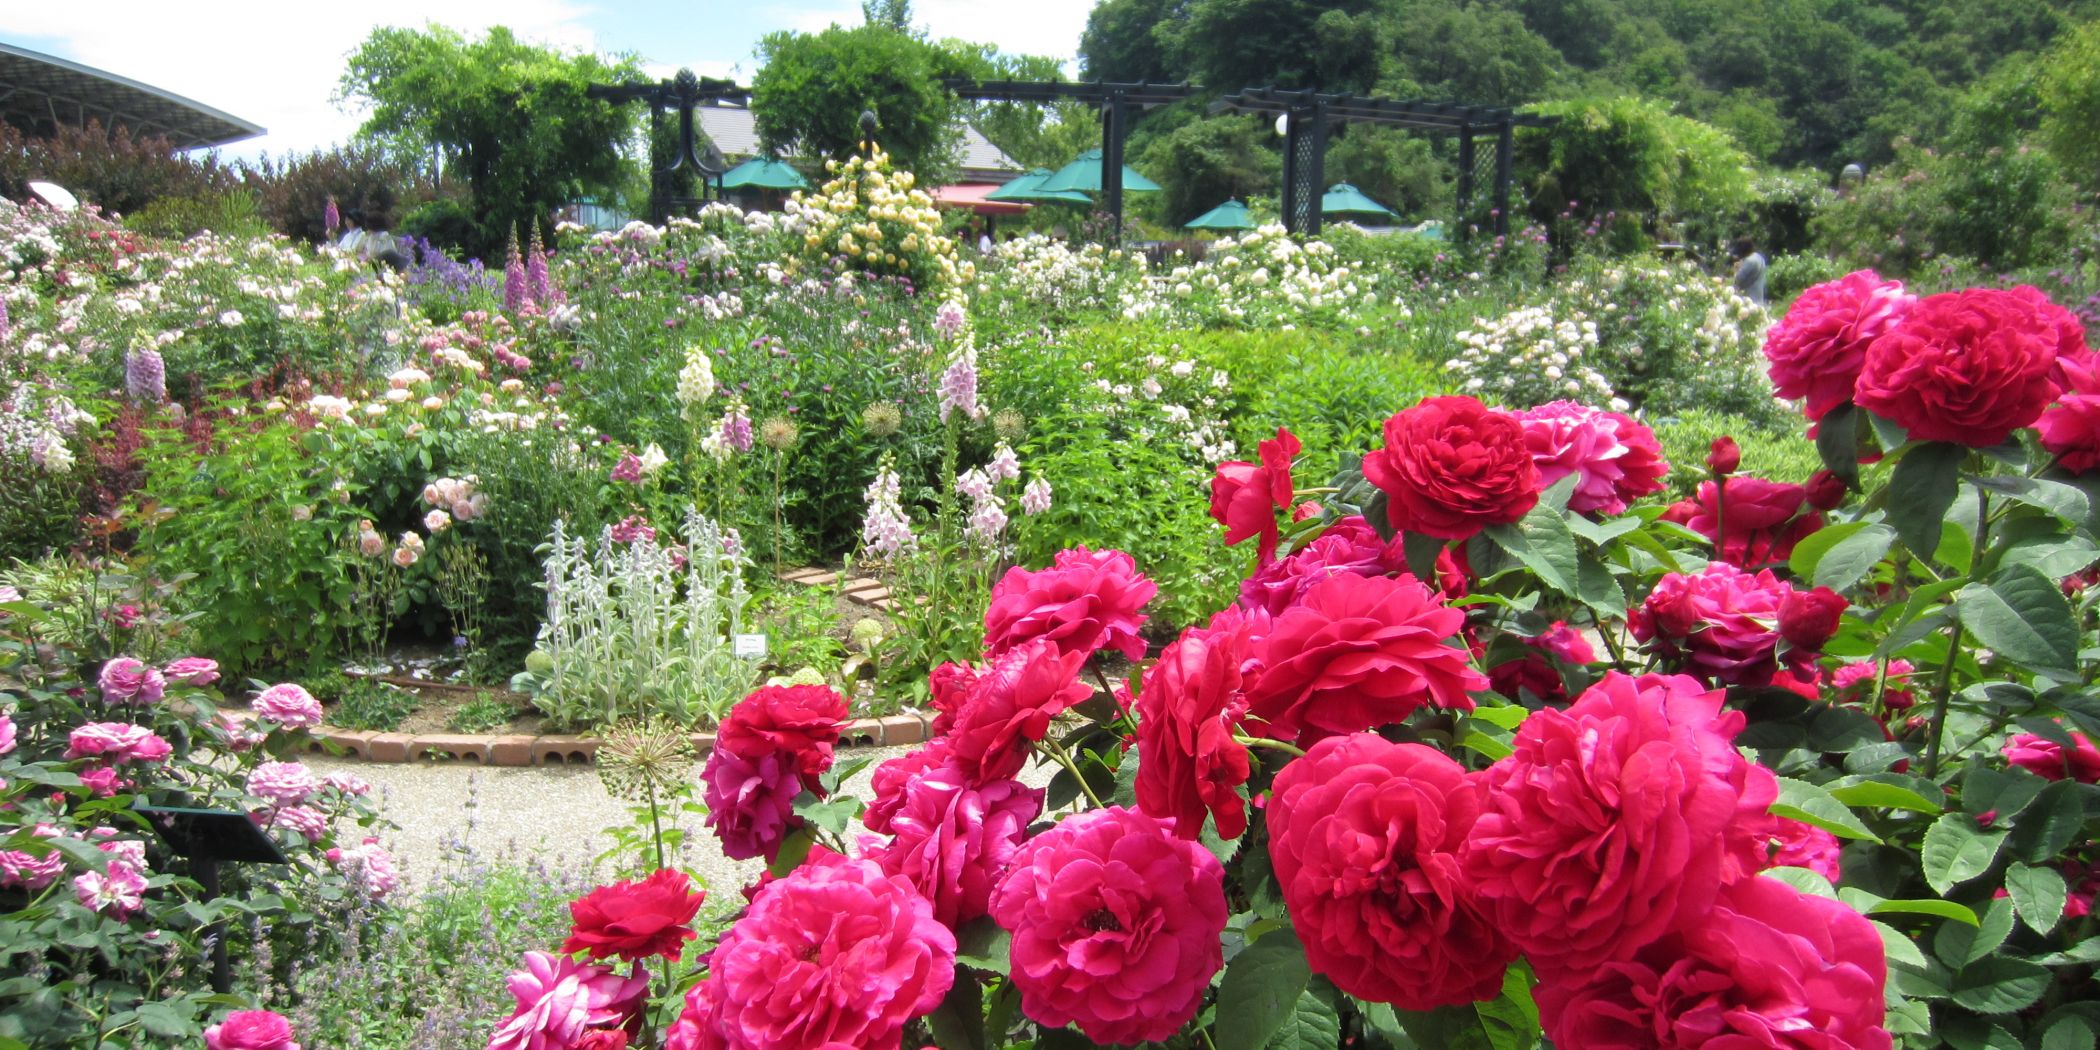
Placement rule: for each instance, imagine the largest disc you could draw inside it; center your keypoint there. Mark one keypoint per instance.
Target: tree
(1126, 41)
(814, 86)
(510, 117)
(1204, 163)
(2069, 89)
(1034, 134)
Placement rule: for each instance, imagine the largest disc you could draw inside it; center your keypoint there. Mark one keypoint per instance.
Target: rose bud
(1825, 490)
(1724, 456)
(1808, 619)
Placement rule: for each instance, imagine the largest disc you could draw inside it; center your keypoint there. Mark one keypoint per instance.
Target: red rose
(1825, 490)
(1721, 624)
(1968, 367)
(1452, 466)
(1356, 653)
(1769, 967)
(1763, 520)
(947, 686)
(1086, 600)
(2070, 430)
(800, 721)
(1348, 545)
(1190, 701)
(636, 920)
(1244, 497)
(1817, 350)
(1010, 706)
(1809, 619)
(1531, 673)
(1616, 820)
(1365, 836)
(1723, 456)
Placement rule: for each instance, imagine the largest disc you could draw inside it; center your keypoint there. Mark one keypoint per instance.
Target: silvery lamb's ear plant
(621, 640)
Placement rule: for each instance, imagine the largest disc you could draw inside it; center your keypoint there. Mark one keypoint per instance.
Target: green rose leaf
(2022, 614)
(1260, 991)
(1999, 985)
(1956, 850)
(1542, 542)
(1809, 804)
(1312, 1025)
(1921, 490)
(2038, 894)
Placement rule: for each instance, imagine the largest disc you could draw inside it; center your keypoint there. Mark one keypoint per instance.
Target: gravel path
(556, 814)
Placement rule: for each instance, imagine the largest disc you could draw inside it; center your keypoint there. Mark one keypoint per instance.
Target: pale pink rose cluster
(368, 866)
(289, 705)
(126, 680)
(457, 497)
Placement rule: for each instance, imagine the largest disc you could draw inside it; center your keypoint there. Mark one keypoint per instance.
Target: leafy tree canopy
(809, 96)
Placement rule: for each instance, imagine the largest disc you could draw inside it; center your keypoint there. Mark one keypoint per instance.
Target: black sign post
(206, 837)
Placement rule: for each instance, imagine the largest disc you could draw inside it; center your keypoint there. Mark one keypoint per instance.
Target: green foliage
(2070, 101)
(1402, 171)
(110, 167)
(1213, 160)
(367, 704)
(510, 117)
(231, 212)
(486, 711)
(2002, 208)
(813, 88)
(295, 190)
(1631, 156)
(1776, 452)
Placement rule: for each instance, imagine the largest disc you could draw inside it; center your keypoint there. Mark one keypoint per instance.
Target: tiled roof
(735, 133)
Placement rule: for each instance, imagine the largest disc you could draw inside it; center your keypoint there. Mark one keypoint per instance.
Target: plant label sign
(748, 646)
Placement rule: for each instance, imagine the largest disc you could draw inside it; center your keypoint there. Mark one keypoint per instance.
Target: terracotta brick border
(512, 749)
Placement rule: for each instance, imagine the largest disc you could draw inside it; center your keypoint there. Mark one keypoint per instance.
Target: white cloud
(272, 63)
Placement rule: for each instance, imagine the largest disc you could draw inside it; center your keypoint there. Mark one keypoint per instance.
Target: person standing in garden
(1749, 270)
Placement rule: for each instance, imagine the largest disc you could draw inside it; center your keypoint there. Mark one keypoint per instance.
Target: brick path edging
(512, 749)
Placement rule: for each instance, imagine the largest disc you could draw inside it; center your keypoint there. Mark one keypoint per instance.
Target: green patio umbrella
(1231, 215)
(1028, 189)
(1085, 174)
(1344, 199)
(763, 173)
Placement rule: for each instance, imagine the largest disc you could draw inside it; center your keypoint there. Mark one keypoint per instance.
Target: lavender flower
(145, 376)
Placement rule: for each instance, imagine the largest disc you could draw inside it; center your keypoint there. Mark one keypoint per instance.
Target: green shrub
(366, 704)
(1775, 451)
(231, 212)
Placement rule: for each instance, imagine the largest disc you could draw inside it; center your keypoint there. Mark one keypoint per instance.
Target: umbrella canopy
(1231, 215)
(1344, 199)
(1085, 174)
(976, 197)
(1029, 188)
(763, 173)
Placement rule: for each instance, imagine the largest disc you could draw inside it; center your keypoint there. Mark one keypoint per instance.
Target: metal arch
(684, 91)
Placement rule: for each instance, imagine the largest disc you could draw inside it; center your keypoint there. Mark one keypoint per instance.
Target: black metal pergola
(1116, 101)
(1311, 115)
(683, 92)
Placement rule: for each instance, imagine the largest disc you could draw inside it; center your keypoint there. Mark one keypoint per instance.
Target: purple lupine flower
(331, 219)
(537, 286)
(145, 376)
(514, 289)
(736, 427)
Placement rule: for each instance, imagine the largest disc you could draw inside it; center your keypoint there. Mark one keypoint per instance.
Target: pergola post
(1505, 147)
(1466, 161)
(1304, 166)
(1114, 125)
(684, 91)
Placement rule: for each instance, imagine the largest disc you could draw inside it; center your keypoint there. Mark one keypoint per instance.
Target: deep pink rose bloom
(1969, 367)
(1862, 674)
(103, 781)
(1615, 459)
(751, 805)
(1244, 497)
(947, 687)
(838, 953)
(1770, 968)
(250, 1030)
(289, 705)
(890, 779)
(1010, 707)
(560, 999)
(1616, 820)
(800, 722)
(116, 743)
(1809, 619)
(7, 734)
(1763, 519)
(128, 681)
(1817, 350)
(1365, 837)
(283, 783)
(1359, 652)
(1721, 624)
(1806, 846)
(117, 893)
(1086, 600)
(1537, 675)
(636, 920)
(1349, 545)
(1189, 703)
(953, 841)
(192, 670)
(2047, 758)
(2070, 430)
(695, 1027)
(1452, 466)
(1115, 925)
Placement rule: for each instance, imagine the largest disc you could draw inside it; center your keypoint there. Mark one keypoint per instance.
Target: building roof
(40, 92)
(735, 133)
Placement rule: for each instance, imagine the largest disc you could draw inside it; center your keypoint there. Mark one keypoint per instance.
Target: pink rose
(128, 681)
(1349, 545)
(800, 722)
(103, 781)
(1722, 624)
(289, 705)
(1190, 701)
(1806, 846)
(307, 822)
(116, 743)
(560, 999)
(1244, 497)
(192, 670)
(1365, 837)
(890, 779)
(250, 1030)
(118, 893)
(283, 783)
(1010, 707)
(2047, 758)
(751, 804)
(1452, 466)
(832, 954)
(953, 841)
(1359, 652)
(1770, 968)
(7, 734)
(1817, 350)
(20, 869)
(1115, 925)
(1615, 459)
(1763, 519)
(1086, 600)
(1616, 820)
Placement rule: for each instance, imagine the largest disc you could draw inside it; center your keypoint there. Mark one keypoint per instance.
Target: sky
(276, 63)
